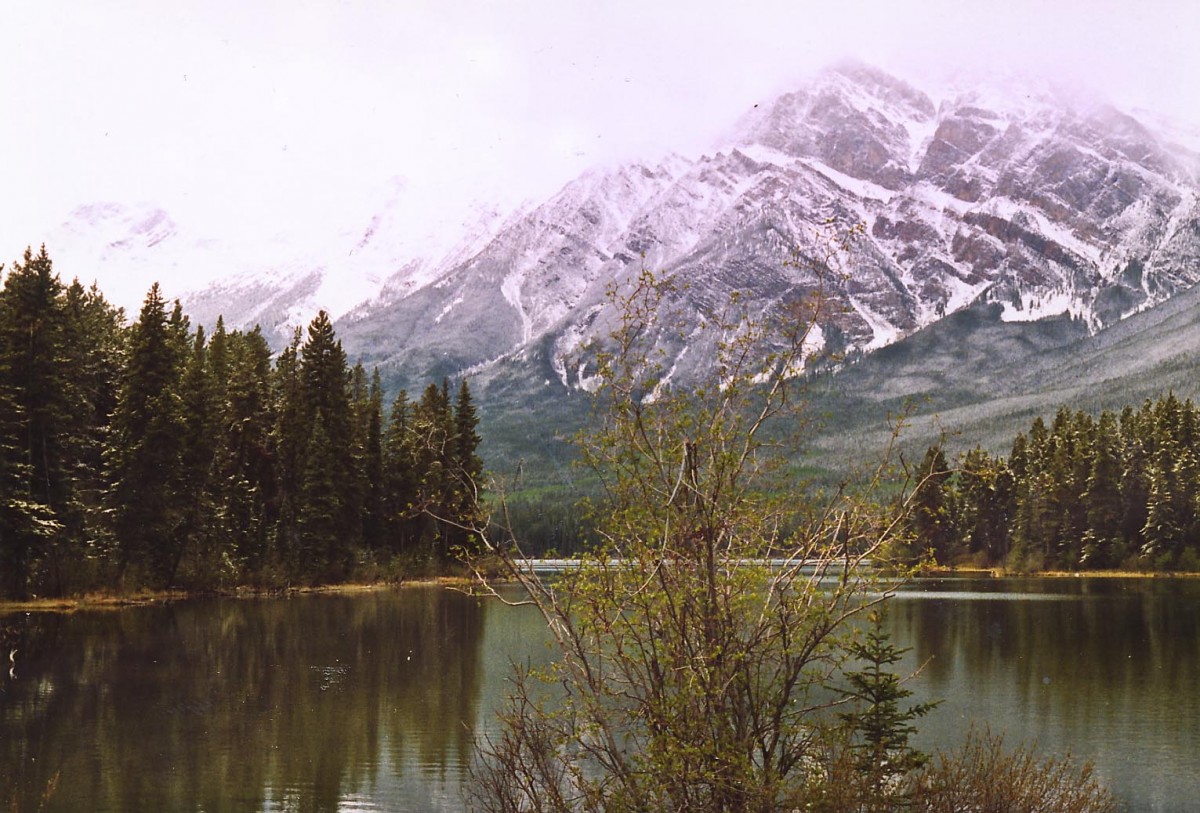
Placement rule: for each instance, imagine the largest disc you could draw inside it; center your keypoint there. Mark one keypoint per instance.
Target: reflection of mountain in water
(278, 704)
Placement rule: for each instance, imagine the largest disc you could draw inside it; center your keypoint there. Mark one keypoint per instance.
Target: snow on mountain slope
(1017, 198)
(384, 250)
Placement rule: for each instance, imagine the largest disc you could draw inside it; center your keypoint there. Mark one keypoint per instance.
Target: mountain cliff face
(1031, 204)
(1019, 200)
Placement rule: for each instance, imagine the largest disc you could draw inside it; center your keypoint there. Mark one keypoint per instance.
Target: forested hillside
(1118, 491)
(153, 455)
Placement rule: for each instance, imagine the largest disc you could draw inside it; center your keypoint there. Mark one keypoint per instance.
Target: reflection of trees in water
(1107, 652)
(239, 704)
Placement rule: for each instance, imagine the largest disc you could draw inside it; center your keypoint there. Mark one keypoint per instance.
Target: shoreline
(142, 598)
(1001, 573)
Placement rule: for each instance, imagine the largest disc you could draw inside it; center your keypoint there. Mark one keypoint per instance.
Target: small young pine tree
(880, 725)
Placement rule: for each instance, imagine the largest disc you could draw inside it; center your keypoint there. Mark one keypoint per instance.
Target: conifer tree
(1103, 546)
(147, 450)
(466, 438)
(985, 491)
(95, 357)
(399, 476)
(200, 529)
(373, 468)
(326, 404)
(932, 513)
(879, 724)
(289, 438)
(33, 414)
(246, 467)
(320, 510)
(432, 431)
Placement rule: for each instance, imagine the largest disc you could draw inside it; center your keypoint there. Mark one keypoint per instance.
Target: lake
(370, 701)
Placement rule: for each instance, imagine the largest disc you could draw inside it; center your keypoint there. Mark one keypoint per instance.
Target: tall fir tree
(1103, 543)
(289, 436)
(432, 432)
(400, 479)
(245, 466)
(373, 468)
(326, 406)
(39, 390)
(96, 359)
(147, 450)
(932, 515)
(201, 530)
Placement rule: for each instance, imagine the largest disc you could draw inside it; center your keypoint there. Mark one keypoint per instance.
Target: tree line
(152, 454)
(1119, 491)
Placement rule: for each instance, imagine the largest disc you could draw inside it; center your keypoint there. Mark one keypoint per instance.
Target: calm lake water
(371, 701)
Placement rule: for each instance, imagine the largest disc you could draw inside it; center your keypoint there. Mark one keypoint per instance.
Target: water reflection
(304, 704)
(1109, 672)
(371, 701)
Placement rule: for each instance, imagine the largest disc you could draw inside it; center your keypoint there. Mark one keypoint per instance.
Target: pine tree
(359, 483)
(200, 530)
(373, 468)
(95, 351)
(1103, 545)
(320, 509)
(39, 390)
(432, 431)
(879, 725)
(400, 479)
(147, 450)
(289, 437)
(985, 493)
(467, 464)
(932, 513)
(326, 406)
(1035, 522)
(246, 468)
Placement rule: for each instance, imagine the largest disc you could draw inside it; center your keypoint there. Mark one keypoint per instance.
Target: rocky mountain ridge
(1042, 208)
(1019, 198)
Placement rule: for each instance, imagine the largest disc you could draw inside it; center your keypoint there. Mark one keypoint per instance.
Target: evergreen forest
(1121, 491)
(151, 455)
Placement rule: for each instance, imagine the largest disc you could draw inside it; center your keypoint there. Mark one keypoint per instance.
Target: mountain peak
(1019, 197)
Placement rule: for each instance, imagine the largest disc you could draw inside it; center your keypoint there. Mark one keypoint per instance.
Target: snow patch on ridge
(855, 186)
(883, 333)
(510, 289)
(1041, 305)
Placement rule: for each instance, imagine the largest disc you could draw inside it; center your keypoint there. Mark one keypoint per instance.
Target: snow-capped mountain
(1019, 199)
(280, 281)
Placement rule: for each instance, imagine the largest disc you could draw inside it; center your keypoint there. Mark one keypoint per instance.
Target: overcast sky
(241, 116)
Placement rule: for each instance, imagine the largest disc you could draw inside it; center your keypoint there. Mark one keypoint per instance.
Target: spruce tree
(400, 478)
(146, 456)
(326, 405)
(432, 432)
(245, 466)
(879, 725)
(373, 468)
(39, 390)
(932, 516)
(200, 529)
(96, 357)
(1103, 545)
(289, 436)
(320, 553)
(467, 464)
